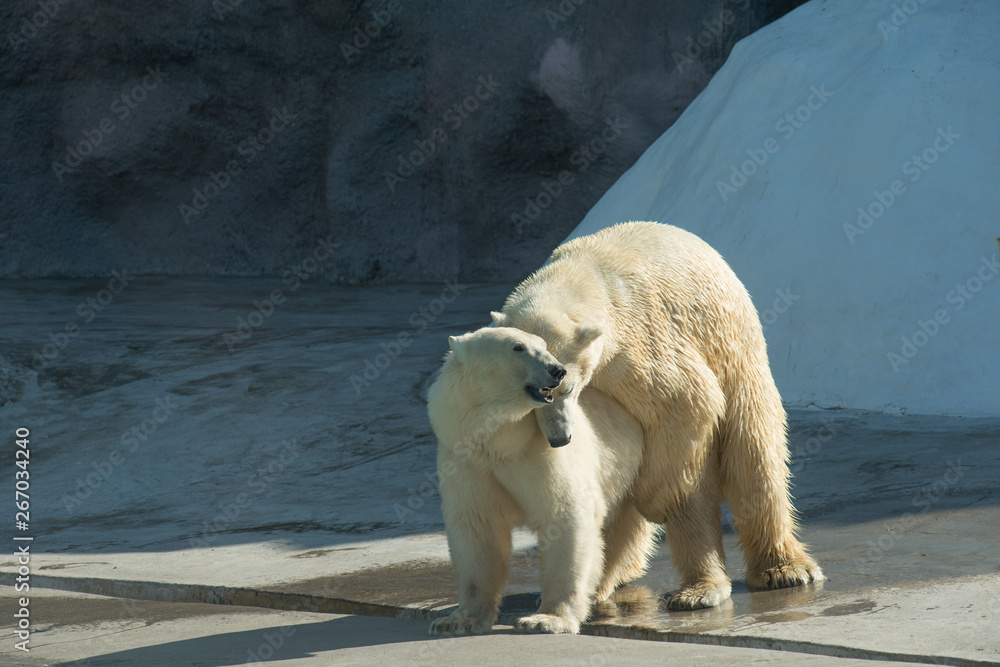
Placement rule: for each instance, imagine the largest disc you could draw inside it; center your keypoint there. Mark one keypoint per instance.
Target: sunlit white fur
(498, 471)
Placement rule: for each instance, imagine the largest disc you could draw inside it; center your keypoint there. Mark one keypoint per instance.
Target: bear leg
(629, 541)
(695, 534)
(755, 475)
(572, 555)
(678, 483)
(478, 519)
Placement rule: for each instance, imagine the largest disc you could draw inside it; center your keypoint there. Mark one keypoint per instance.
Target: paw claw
(786, 575)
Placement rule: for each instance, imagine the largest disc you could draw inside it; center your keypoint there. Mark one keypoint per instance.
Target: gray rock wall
(425, 141)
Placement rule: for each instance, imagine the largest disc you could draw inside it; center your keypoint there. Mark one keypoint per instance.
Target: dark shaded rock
(230, 137)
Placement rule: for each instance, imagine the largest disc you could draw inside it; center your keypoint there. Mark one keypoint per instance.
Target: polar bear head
(580, 348)
(512, 369)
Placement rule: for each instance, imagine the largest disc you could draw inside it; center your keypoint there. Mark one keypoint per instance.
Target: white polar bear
(652, 316)
(498, 471)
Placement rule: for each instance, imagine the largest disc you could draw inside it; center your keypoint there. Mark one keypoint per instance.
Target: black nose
(559, 443)
(557, 372)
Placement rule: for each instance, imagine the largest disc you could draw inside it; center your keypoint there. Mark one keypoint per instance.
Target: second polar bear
(654, 317)
(497, 471)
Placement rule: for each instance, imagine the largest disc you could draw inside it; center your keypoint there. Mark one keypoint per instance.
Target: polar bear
(653, 317)
(498, 471)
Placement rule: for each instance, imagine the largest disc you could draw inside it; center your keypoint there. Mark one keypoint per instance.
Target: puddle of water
(858, 607)
(785, 617)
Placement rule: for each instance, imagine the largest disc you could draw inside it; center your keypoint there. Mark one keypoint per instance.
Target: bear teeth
(543, 394)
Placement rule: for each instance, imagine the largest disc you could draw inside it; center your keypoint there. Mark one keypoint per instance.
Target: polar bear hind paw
(456, 624)
(786, 575)
(547, 623)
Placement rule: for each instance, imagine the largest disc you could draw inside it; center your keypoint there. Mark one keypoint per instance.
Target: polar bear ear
(585, 335)
(499, 319)
(457, 346)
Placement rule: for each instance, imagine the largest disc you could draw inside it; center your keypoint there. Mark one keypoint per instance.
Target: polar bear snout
(544, 394)
(556, 422)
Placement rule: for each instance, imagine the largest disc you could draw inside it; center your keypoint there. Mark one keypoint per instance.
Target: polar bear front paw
(547, 623)
(699, 596)
(456, 624)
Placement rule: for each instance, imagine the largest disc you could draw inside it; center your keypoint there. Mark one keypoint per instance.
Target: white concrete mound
(846, 162)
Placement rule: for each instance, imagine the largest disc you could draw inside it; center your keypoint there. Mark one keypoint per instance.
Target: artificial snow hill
(846, 162)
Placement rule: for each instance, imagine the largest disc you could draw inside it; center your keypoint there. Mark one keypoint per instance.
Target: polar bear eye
(519, 348)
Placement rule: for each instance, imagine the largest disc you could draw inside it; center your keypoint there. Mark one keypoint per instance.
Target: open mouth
(540, 394)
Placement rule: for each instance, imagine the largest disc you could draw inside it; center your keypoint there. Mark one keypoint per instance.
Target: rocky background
(420, 141)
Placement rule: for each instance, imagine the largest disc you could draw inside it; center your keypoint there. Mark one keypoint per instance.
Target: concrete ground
(213, 462)
(83, 629)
